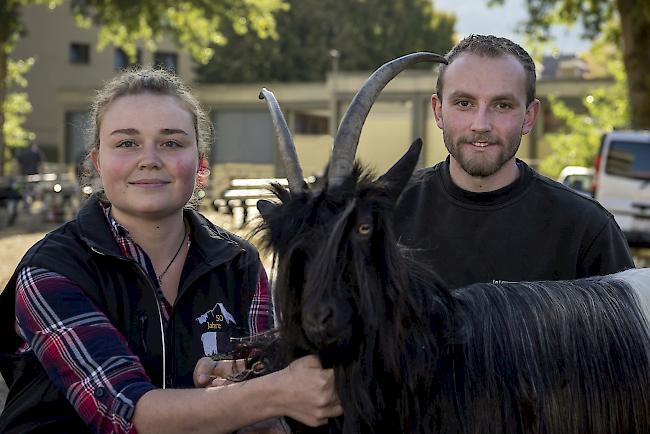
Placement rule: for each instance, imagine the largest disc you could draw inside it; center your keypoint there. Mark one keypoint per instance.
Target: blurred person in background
(29, 160)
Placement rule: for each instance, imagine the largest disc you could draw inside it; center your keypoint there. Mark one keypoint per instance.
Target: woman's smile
(148, 155)
(149, 183)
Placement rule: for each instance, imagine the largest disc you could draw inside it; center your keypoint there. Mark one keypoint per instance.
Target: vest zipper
(160, 317)
(143, 319)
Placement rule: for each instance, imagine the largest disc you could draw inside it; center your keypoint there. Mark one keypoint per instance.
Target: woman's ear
(202, 172)
(94, 157)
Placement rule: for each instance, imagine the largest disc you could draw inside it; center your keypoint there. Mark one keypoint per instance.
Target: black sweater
(532, 229)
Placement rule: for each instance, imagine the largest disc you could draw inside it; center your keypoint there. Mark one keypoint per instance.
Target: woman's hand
(307, 392)
(303, 390)
(208, 372)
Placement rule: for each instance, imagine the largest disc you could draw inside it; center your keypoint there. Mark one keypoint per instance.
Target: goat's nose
(323, 315)
(317, 318)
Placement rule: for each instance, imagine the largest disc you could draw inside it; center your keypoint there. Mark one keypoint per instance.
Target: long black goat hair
(411, 356)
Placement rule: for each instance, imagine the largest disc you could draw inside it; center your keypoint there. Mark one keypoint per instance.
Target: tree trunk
(8, 24)
(3, 96)
(635, 30)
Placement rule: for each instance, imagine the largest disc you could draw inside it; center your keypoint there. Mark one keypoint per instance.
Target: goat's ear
(398, 176)
(265, 207)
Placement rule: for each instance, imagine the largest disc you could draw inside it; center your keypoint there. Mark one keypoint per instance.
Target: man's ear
(529, 118)
(436, 107)
(396, 178)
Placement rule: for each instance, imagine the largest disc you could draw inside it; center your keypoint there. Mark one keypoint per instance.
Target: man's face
(483, 112)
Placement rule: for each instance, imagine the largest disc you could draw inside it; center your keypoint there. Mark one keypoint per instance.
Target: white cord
(164, 351)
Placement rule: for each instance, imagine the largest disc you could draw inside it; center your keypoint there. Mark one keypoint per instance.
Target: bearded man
(483, 215)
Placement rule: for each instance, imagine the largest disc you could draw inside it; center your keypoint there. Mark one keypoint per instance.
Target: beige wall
(402, 113)
(434, 147)
(313, 153)
(386, 135)
(388, 130)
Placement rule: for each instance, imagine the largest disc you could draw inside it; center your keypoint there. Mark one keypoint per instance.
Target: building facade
(69, 69)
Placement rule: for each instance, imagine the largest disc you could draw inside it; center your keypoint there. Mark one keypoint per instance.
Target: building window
(122, 60)
(311, 124)
(79, 53)
(168, 61)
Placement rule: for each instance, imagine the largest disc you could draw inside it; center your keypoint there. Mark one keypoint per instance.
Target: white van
(622, 182)
(578, 178)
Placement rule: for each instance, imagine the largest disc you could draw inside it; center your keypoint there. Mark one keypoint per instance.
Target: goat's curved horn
(347, 137)
(285, 143)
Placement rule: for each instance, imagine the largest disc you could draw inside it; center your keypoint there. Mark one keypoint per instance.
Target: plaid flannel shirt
(83, 353)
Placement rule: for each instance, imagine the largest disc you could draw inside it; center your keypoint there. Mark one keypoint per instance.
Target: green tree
(632, 36)
(17, 105)
(194, 24)
(365, 34)
(577, 141)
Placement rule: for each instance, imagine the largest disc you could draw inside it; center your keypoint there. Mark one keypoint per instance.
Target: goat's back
(549, 357)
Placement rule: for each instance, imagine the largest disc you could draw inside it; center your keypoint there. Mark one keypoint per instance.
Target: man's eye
(463, 104)
(504, 106)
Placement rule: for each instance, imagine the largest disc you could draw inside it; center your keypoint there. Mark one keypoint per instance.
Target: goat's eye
(364, 229)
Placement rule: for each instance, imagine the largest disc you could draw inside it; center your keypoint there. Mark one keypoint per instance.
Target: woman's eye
(126, 144)
(364, 229)
(172, 144)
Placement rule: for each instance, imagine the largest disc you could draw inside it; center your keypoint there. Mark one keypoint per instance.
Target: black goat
(411, 356)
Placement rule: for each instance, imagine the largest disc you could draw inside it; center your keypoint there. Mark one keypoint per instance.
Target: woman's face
(148, 155)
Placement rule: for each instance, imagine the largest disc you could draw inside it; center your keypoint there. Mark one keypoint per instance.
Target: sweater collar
(489, 198)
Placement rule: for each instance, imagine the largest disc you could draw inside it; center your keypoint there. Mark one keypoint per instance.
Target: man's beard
(481, 165)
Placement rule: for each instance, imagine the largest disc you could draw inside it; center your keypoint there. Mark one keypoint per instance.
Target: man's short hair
(491, 46)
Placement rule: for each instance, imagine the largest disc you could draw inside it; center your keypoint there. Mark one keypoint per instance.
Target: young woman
(106, 318)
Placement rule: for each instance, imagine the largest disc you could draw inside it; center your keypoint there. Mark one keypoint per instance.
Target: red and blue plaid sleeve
(260, 314)
(82, 352)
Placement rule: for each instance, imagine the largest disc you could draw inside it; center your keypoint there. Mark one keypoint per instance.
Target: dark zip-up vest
(220, 273)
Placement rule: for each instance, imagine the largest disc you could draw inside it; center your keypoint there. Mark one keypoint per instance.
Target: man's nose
(481, 121)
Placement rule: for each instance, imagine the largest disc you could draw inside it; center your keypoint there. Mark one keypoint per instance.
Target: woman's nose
(149, 158)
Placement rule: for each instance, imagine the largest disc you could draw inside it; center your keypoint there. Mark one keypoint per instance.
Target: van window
(580, 182)
(629, 159)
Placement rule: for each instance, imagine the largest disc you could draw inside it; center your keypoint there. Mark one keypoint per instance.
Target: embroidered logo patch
(217, 322)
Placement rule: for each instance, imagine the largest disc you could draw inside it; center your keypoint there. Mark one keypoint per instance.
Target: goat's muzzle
(328, 327)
